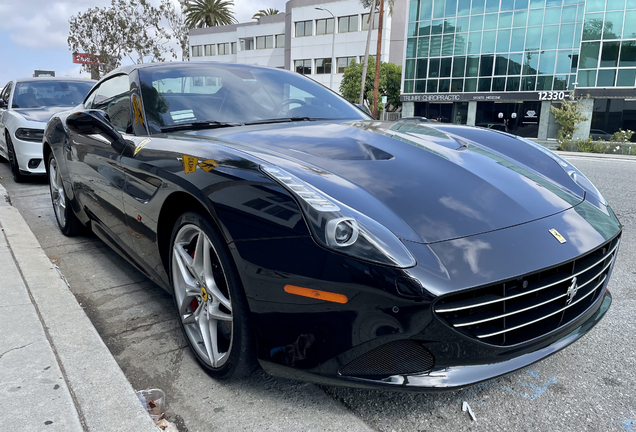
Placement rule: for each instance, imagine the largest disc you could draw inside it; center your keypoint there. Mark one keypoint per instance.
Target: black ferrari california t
(298, 233)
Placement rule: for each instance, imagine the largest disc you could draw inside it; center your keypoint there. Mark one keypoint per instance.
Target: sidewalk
(56, 374)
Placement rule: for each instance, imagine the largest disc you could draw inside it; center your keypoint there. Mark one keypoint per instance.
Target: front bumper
(456, 377)
(27, 151)
(313, 340)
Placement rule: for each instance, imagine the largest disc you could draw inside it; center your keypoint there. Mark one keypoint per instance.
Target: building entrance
(443, 112)
(516, 118)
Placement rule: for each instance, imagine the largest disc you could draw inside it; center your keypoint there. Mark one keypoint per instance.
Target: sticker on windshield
(183, 116)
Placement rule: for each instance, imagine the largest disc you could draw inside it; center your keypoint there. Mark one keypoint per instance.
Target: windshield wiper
(284, 120)
(198, 125)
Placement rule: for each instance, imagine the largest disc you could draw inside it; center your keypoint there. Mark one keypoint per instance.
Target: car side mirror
(96, 122)
(3, 104)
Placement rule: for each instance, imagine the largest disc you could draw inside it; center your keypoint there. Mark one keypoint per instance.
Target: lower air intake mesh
(394, 358)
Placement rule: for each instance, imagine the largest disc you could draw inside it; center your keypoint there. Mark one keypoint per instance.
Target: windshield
(193, 94)
(37, 94)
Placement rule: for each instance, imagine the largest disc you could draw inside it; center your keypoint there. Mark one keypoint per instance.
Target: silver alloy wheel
(57, 193)
(202, 295)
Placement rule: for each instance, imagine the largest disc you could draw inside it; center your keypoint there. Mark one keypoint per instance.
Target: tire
(66, 219)
(13, 161)
(209, 298)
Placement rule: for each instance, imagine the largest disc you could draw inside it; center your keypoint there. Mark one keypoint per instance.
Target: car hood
(422, 183)
(42, 114)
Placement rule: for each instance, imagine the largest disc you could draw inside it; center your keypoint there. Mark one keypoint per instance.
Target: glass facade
(519, 45)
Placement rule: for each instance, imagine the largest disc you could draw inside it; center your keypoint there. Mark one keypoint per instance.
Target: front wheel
(209, 298)
(18, 177)
(67, 221)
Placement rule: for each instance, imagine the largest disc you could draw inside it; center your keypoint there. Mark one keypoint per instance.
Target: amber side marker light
(317, 294)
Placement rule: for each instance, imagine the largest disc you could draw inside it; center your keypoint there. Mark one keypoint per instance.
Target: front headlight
(339, 227)
(576, 175)
(25, 134)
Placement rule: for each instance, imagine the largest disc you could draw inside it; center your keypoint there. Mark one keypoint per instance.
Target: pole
(376, 82)
(366, 53)
(333, 45)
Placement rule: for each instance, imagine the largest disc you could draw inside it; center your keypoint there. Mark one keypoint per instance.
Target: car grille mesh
(525, 308)
(394, 358)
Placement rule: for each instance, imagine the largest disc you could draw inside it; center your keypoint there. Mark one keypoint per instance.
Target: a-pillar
(408, 109)
(582, 131)
(544, 120)
(472, 113)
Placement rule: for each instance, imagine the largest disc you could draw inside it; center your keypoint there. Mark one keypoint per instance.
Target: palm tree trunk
(366, 52)
(376, 81)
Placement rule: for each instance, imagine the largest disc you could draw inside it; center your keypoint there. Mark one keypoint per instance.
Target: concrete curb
(104, 398)
(597, 155)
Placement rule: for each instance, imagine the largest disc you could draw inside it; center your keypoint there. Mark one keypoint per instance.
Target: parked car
(416, 119)
(598, 134)
(295, 231)
(495, 126)
(25, 107)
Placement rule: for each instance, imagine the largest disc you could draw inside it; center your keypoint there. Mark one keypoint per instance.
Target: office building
(503, 63)
(302, 37)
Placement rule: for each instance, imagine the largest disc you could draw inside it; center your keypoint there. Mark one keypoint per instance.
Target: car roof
(129, 68)
(37, 79)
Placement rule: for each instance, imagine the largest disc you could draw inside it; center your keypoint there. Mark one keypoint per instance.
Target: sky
(33, 33)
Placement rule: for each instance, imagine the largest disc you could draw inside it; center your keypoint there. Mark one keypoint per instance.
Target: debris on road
(154, 401)
(167, 426)
(60, 273)
(466, 407)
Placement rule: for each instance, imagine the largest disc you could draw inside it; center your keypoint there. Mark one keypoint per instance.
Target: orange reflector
(317, 294)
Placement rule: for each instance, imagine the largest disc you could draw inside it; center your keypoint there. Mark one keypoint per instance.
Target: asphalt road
(589, 386)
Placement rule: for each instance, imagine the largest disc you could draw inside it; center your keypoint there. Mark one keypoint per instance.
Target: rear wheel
(13, 161)
(66, 219)
(209, 298)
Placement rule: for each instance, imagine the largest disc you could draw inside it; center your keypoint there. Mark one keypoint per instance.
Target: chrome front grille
(525, 308)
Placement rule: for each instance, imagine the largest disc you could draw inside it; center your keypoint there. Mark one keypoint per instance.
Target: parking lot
(590, 386)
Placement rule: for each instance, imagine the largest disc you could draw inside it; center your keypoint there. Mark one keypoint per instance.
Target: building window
(323, 66)
(247, 44)
(304, 28)
(348, 24)
(224, 48)
(210, 50)
(303, 67)
(264, 42)
(233, 47)
(365, 21)
(344, 62)
(324, 26)
(280, 41)
(197, 51)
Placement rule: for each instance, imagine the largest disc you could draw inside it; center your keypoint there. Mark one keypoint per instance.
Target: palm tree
(265, 12)
(208, 13)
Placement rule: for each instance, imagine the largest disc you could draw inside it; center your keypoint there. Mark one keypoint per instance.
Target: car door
(96, 176)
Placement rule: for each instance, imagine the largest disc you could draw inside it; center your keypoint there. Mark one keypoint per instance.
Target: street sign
(43, 73)
(83, 58)
(384, 99)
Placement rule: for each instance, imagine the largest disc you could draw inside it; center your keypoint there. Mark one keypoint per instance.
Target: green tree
(176, 22)
(389, 84)
(265, 12)
(567, 116)
(208, 13)
(127, 28)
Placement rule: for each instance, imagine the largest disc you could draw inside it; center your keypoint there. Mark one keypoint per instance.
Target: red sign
(83, 58)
